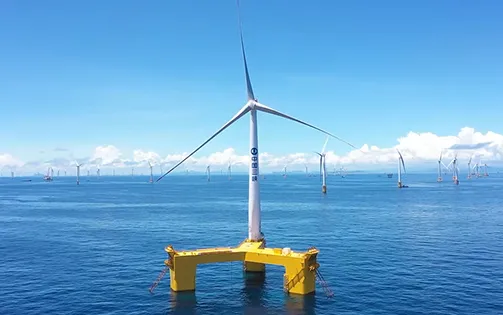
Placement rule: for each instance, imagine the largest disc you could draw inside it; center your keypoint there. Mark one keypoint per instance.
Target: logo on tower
(254, 164)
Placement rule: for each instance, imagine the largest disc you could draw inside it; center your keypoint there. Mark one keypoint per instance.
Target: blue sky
(163, 75)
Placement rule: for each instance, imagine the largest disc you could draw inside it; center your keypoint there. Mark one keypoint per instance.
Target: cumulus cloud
(106, 155)
(8, 161)
(416, 148)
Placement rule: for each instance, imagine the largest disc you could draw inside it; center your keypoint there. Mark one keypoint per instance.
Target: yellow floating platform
(300, 268)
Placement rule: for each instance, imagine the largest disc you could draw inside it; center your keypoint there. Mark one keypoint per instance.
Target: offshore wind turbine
(208, 175)
(401, 164)
(229, 170)
(455, 170)
(78, 172)
(252, 106)
(323, 169)
(469, 168)
(439, 176)
(151, 180)
(307, 170)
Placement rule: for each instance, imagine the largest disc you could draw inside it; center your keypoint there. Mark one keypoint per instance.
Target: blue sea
(96, 248)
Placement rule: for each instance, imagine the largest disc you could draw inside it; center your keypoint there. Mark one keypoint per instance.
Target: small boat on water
(390, 175)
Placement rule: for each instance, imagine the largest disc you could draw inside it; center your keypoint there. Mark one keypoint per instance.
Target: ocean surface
(96, 248)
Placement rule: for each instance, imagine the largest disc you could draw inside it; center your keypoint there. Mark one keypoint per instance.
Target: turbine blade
(240, 114)
(249, 89)
(270, 110)
(324, 146)
(401, 159)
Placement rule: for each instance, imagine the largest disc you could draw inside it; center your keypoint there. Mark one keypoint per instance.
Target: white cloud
(417, 148)
(142, 157)
(106, 155)
(8, 161)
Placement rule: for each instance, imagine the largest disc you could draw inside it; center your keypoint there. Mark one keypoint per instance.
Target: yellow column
(306, 280)
(183, 274)
(253, 267)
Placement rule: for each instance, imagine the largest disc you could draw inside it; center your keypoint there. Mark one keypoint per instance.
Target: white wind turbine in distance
(252, 106)
(208, 175)
(469, 168)
(401, 164)
(323, 169)
(78, 172)
(229, 170)
(151, 180)
(439, 177)
(455, 170)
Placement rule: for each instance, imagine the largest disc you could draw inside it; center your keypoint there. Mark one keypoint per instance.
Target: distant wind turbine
(252, 106)
(229, 170)
(439, 177)
(470, 168)
(208, 172)
(323, 169)
(151, 173)
(284, 172)
(78, 172)
(455, 170)
(401, 164)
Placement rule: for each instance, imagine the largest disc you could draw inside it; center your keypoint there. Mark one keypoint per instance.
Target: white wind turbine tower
(401, 164)
(252, 106)
(485, 170)
(132, 171)
(57, 174)
(284, 172)
(208, 175)
(65, 172)
(229, 170)
(151, 173)
(98, 172)
(307, 170)
(78, 172)
(439, 177)
(470, 168)
(323, 170)
(455, 170)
